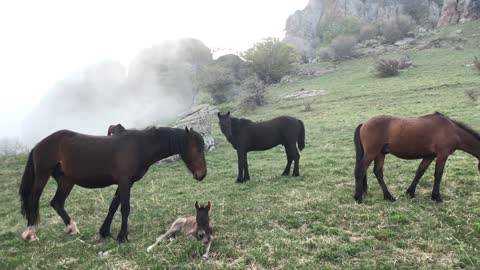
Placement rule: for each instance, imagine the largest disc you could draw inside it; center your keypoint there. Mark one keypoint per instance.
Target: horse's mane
(463, 126)
(176, 134)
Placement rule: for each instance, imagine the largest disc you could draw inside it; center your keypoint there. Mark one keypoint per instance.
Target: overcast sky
(44, 41)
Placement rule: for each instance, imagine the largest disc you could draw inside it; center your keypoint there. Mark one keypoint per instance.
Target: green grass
(309, 222)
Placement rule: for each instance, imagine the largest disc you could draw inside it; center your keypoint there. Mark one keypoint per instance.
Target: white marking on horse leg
(71, 228)
(205, 256)
(30, 234)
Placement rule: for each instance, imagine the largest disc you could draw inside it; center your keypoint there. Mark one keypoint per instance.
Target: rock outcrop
(301, 27)
(200, 119)
(459, 11)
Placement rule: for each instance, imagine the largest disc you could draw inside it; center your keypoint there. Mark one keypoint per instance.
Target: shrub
(254, 94)
(405, 62)
(218, 82)
(386, 68)
(476, 63)
(270, 59)
(330, 28)
(415, 9)
(325, 53)
(368, 31)
(10, 147)
(343, 46)
(396, 29)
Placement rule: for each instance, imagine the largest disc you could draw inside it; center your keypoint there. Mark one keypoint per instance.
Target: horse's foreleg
(167, 235)
(207, 249)
(420, 171)
(58, 203)
(378, 171)
(105, 229)
(240, 166)
(439, 167)
(33, 216)
(124, 192)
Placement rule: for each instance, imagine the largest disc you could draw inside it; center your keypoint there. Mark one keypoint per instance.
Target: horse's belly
(410, 152)
(95, 182)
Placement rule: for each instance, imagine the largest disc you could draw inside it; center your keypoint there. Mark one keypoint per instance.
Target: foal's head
(225, 124)
(204, 231)
(193, 154)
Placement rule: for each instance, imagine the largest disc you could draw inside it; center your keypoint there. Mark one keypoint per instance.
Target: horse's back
(282, 130)
(408, 137)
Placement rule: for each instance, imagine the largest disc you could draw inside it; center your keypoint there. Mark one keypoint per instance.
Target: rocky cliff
(301, 27)
(459, 11)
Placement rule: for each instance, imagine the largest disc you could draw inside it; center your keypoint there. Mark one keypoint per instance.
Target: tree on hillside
(270, 59)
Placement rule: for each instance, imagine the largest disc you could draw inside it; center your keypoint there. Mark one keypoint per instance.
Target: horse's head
(114, 129)
(204, 231)
(225, 124)
(193, 154)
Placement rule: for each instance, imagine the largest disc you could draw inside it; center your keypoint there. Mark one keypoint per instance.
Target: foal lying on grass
(192, 226)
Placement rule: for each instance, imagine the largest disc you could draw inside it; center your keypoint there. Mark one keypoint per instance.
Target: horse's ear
(191, 129)
(208, 206)
(186, 129)
(196, 205)
(228, 113)
(219, 114)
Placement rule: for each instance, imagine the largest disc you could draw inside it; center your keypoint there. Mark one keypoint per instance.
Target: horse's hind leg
(58, 203)
(174, 229)
(296, 159)
(378, 171)
(420, 171)
(33, 217)
(286, 172)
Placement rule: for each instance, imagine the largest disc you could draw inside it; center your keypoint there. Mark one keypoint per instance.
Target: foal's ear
(196, 205)
(186, 129)
(228, 113)
(208, 206)
(219, 114)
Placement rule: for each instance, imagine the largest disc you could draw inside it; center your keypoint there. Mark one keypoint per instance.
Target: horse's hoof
(149, 248)
(205, 256)
(104, 234)
(71, 228)
(410, 194)
(437, 198)
(122, 238)
(239, 181)
(296, 174)
(285, 174)
(30, 234)
(359, 199)
(389, 197)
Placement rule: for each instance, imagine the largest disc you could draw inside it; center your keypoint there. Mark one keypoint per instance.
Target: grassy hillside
(308, 222)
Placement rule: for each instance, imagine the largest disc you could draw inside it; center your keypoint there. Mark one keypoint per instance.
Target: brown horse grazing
(115, 129)
(245, 136)
(197, 226)
(429, 137)
(99, 161)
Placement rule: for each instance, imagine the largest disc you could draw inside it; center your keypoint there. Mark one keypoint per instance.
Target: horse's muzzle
(199, 175)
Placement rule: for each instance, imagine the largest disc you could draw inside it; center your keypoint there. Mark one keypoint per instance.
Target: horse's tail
(359, 168)
(301, 136)
(26, 187)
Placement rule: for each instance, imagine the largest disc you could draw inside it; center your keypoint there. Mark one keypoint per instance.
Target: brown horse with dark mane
(429, 137)
(99, 161)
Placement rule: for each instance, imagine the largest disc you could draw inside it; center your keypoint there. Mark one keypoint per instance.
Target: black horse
(98, 161)
(246, 136)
